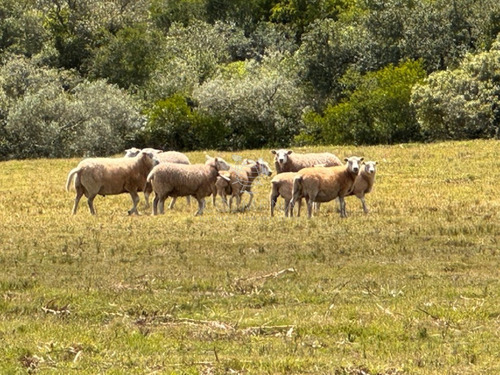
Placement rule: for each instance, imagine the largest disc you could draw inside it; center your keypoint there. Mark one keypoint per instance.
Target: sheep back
(183, 180)
(172, 157)
(295, 162)
(108, 176)
(282, 184)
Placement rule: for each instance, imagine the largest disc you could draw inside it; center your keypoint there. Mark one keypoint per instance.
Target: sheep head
(281, 156)
(353, 163)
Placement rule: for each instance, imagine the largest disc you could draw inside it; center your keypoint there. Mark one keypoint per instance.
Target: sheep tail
(150, 178)
(297, 185)
(71, 175)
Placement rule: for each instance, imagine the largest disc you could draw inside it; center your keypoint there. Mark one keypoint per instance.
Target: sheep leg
(188, 200)
(161, 205)
(148, 189)
(287, 207)
(249, 201)
(135, 201)
(223, 198)
(155, 204)
(365, 209)
(172, 203)
(290, 207)
(310, 203)
(79, 194)
(273, 199)
(90, 202)
(201, 206)
(342, 207)
(238, 201)
(299, 207)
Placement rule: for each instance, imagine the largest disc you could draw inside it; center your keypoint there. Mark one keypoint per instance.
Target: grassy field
(410, 288)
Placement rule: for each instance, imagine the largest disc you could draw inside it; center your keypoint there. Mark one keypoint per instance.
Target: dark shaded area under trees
(89, 77)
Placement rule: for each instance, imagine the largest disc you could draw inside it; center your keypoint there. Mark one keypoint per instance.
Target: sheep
(288, 161)
(239, 179)
(325, 184)
(364, 182)
(131, 152)
(223, 185)
(282, 184)
(180, 180)
(170, 157)
(160, 157)
(110, 176)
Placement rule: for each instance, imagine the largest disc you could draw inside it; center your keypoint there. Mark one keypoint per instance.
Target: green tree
(128, 58)
(187, 57)
(464, 102)
(53, 113)
(376, 109)
(21, 28)
(259, 104)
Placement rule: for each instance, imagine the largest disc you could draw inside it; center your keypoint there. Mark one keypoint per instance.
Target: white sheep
(180, 180)
(282, 184)
(160, 157)
(325, 184)
(239, 179)
(110, 176)
(288, 161)
(364, 182)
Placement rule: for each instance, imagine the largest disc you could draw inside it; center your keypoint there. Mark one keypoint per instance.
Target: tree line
(87, 77)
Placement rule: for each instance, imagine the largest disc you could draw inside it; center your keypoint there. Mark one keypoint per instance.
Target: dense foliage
(91, 77)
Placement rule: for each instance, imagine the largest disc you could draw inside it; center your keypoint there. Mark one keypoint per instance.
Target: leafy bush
(259, 104)
(462, 103)
(376, 109)
(173, 125)
(52, 114)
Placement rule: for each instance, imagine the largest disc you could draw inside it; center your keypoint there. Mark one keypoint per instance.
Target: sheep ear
(289, 152)
(361, 159)
(273, 152)
(345, 159)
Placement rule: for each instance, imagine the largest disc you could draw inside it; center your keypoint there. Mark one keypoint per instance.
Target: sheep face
(353, 163)
(370, 167)
(220, 164)
(131, 152)
(281, 156)
(134, 151)
(264, 168)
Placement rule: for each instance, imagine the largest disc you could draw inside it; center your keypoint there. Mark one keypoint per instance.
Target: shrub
(376, 109)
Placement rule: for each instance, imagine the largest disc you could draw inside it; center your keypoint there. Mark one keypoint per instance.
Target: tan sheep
(180, 180)
(239, 179)
(110, 176)
(159, 157)
(223, 185)
(282, 184)
(364, 182)
(325, 184)
(288, 161)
